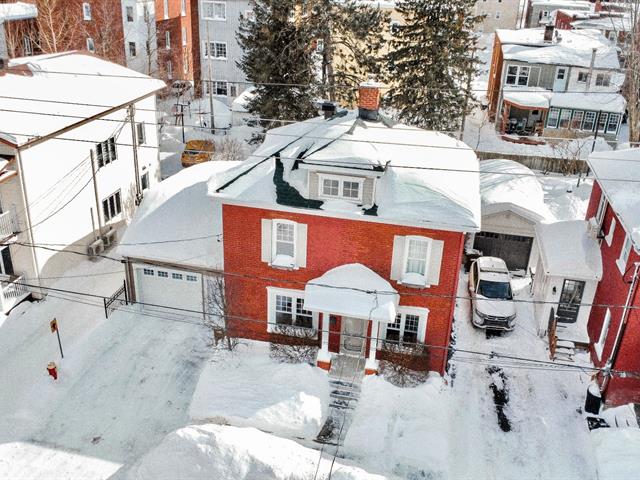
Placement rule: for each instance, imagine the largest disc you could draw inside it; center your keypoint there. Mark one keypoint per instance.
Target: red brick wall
(613, 290)
(563, 21)
(179, 54)
(331, 242)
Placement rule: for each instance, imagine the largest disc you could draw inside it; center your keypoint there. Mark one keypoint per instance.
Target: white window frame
(214, 84)
(144, 181)
(167, 40)
(91, 45)
(594, 116)
(272, 292)
(405, 259)
(27, 45)
(127, 9)
(549, 125)
(184, 36)
(604, 331)
(274, 242)
(603, 79)
(602, 208)
(586, 76)
(341, 181)
(86, 11)
(148, 272)
(213, 4)
(169, 69)
(423, 317)
(190, 277)
(166, 9)
(111, 213)
(212, 48)
(625, 251)
(563, 117)
(106, 152)
(183, 8)
(617, 117)
(135, 49)
(519, 73)
(612, 230)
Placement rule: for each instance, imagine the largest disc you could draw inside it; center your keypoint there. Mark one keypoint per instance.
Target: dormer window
(341, 187)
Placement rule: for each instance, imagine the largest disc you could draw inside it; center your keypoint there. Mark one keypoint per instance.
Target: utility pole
(134, 142)
(208, 49)
(95, 191)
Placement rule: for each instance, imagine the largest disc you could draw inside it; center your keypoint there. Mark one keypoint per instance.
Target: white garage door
(172, 288)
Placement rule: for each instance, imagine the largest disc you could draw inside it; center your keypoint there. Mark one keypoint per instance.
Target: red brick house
(351, 226)
(346, 230)
(614, 322)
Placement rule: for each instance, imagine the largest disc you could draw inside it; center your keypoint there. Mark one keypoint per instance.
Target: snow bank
(617, 452)
(229, 453)
(248, 388)
(401, 430)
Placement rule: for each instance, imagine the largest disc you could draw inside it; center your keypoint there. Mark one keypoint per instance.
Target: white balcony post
(3, 301)
(323, 354)
(372, 363)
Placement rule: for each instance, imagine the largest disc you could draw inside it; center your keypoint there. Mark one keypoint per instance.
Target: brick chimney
(369, 100)
(597, 7)
(548, 32)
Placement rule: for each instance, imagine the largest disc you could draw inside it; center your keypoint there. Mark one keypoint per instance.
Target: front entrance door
(354, 331)
(560, 80)
(570, 300)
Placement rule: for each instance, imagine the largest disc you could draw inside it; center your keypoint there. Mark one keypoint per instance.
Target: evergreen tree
(432, 61)
(352, 36)
(278, 59)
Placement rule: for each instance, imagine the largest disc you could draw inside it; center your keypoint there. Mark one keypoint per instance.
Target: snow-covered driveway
(123, 386)
(547, 436)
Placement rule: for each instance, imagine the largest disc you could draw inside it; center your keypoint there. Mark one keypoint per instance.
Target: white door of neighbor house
(560, 80)
(354, 332)
(179, 291)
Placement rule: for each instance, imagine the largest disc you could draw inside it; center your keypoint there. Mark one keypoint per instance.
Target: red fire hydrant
(52, 368)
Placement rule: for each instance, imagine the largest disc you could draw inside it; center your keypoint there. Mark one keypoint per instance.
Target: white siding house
(55, 123)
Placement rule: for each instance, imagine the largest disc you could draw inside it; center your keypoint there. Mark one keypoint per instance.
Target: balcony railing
(8, 224)
(11, 292)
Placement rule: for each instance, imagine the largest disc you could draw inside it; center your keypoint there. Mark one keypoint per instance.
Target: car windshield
(501, 290)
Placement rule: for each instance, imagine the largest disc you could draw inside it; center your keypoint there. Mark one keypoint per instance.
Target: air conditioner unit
(96, 248)
(110, 237)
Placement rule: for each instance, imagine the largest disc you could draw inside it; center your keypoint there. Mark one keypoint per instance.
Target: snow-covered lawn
(248, 388)
(123, 385)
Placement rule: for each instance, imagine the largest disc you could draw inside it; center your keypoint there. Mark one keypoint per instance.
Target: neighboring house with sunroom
(347, 231)
(614, 213)
(555, 83)
(64, 116)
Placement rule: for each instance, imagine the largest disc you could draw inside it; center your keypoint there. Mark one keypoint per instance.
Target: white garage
(159, 286)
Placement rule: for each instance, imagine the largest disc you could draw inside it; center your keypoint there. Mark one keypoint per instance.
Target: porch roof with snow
(509, 185)
(423, 178)
(160, 230)
(352, 290)
(527, 97)
(618, 174)
(568, 250)
(46, 94)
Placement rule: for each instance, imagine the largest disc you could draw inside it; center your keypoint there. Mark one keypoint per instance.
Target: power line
(334, 287)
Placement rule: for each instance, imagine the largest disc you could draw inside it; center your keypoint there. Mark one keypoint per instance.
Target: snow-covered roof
(607, 102)
(568, 48)
(574, 4)
(534, 97)
(568, 250)
(426, 178)
(161, 218)
(618, 174)
(352, 290)
(41, 87)
(17, 11)
(619, 24)
(509, 185)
